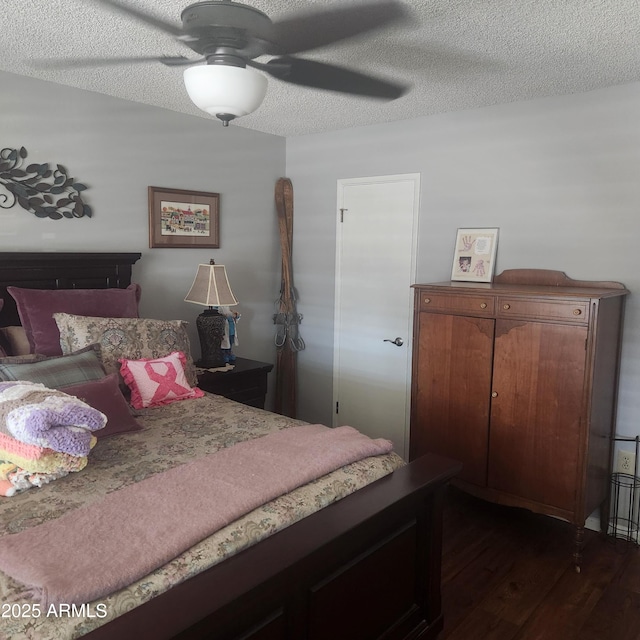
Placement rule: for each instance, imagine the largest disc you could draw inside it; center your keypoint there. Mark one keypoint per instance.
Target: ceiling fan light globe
(217, 88)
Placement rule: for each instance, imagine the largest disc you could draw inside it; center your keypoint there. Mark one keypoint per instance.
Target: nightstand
(246, 382)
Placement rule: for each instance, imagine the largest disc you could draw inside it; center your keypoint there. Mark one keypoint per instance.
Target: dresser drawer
(573, 311)
(467, 305)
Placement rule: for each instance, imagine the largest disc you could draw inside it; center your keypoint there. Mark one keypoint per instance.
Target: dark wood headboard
(60, 271)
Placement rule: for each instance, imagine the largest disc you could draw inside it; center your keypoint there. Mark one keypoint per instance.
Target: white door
(375, 268)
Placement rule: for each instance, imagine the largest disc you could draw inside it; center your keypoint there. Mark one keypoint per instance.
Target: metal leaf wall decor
(46, 192)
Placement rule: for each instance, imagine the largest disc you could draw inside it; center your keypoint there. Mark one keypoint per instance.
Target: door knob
(398, 341)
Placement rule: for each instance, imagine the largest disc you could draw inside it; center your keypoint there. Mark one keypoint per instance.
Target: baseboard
(593, 523)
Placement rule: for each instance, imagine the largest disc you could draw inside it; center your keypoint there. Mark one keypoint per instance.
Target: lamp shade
(224, 90)
(211, 287)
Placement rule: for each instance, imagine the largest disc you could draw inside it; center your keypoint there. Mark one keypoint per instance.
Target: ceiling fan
(229, 36)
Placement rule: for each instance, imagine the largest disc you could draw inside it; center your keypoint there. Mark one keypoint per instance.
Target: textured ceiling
(457, 54)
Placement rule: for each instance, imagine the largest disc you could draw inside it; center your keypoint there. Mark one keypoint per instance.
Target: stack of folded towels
(45, 434)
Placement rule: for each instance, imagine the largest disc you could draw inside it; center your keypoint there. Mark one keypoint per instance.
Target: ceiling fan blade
(144, 17)
(439, 61)
(303, 32)
(77, 63)
(320, 75)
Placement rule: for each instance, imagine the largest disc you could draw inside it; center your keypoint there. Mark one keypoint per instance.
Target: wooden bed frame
(365, 567)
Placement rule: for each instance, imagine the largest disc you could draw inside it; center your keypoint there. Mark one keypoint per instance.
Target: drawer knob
(427, 300)
(483, 305)
(577, 312)
(506, 306)
(494, 394)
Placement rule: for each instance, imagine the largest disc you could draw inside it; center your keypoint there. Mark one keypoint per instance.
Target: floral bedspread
(173, 434)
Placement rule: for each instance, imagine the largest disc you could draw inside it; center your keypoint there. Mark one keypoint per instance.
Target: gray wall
(560, 177)
(118, 149)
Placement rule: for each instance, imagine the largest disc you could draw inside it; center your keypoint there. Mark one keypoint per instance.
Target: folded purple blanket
(34, 414)
(91, 552)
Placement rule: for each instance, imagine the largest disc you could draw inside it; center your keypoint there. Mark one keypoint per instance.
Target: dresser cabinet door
(452, 389)
(538, 386)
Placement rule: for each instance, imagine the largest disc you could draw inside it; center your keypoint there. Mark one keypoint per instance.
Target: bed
(354, 554)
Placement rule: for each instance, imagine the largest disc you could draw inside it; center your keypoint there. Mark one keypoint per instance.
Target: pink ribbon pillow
(157, 381)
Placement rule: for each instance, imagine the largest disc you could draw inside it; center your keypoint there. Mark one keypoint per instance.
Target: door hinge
(342, 214)
(337, 407)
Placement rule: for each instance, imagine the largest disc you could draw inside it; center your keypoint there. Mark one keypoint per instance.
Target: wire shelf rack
(624, 515)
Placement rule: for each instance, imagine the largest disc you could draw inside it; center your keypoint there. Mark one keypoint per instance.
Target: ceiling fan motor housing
(217, 26)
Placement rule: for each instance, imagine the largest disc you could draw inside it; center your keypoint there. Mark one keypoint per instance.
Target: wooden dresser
(517, 379)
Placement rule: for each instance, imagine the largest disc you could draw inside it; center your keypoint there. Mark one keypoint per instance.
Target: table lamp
(211, 289)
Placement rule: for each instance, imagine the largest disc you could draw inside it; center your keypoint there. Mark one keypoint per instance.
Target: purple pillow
(2, 351)
(105, 395)
(37, 306)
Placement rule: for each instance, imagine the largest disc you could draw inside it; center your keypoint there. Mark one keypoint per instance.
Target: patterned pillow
(56, 372)
(154, 382)
(130, 338)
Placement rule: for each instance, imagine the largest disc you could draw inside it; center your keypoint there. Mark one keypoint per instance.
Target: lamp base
(211, 326)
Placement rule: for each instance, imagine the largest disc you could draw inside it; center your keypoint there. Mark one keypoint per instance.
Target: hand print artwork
(467, 243)
(478, 269)
(475, 254)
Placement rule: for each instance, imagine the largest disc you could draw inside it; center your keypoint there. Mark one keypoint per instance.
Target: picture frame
(182, 219)
(474, 256)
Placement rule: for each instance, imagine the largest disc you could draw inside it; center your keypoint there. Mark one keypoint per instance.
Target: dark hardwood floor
(508, 575)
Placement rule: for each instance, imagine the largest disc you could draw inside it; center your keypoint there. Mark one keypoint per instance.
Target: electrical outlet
(626, 462)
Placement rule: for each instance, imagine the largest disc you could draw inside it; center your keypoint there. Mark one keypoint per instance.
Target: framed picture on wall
(183, 219)
(474, 257)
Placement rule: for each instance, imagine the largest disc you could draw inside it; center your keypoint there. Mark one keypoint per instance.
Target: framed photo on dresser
(474, 256)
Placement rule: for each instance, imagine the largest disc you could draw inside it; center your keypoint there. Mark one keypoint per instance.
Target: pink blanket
(91, 552)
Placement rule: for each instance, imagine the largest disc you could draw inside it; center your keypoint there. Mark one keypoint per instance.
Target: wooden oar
(286, 316)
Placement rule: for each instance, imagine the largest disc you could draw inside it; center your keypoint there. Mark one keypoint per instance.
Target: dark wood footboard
(366, 567)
